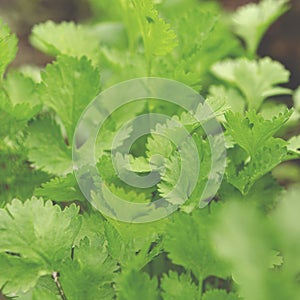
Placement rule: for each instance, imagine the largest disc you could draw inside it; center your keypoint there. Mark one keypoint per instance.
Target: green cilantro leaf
(176, 182)
(250, 242)
(178, 287)
(45, 289)
(89, 275)
(65, 38)
(31, 71)
(253, 131)
(243, 238)
(231, 97)
(257, 80)
(158, 37)
(158, 147)
(134, 245)
(61, 189)
(40, 235)
(21, 89)
(294, 144)
(270, 108)
(204, 23)
(262, 152)
(130, 196)
(136, 285)
(251, 21)
(264, 194)
(243, 172)
(188, 244)
(47, 148)
(245, 243)
(16, 275)
(286, 222)
(14, 118)
(8, 47)
(17, 178)
(68, 86)
(119, 120)
(210, 42)
(18, 103)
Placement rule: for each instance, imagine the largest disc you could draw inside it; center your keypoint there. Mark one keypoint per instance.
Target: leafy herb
(243, 245)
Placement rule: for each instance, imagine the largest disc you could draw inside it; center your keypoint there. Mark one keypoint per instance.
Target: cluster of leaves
(243, 245)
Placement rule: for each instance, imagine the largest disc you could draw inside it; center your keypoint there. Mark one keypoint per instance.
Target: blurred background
(282, 41)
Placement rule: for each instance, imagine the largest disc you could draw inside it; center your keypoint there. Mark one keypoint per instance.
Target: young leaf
(251, 21)
(40, 235)
(177, 183)
(231, 97)
(257, 80)
(21, 89)
(262, 152)
(89, 275)
(65, 38)
(8, 47)
(294, 144)
(134, 245)
(264, 194)
(68, 86)
(47, 148)
(14, 118)
(158, 37)
(203, 25)
(247, 239)
(179, 287)
(92, 226)
(17, 178)
(286, 222)
(210, 42)
(253, 131)
(61, 189)
(244, 173)
(45, 289)
(136, 285)
(16, 276)
(188, 244)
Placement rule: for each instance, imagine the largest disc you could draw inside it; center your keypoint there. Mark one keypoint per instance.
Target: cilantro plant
(243, 245)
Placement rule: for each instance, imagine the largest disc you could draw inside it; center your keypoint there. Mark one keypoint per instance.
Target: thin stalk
(200, 287)
(55, 277)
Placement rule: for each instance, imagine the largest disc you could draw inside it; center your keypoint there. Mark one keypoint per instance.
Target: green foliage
(243, 245)
(194, 252)
(62, 189)
(179, 287)
(262, 251)
(251, 21)
(89, 272)
(252, 131)
(256, 80)
(69, 94)
(65, 39)
(44, 138)
(36, 237)
(263, 152)
(136, 285)
(8, 47)
(157, 36)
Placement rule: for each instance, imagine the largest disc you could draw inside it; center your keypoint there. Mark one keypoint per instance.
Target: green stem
(200, 286)
(55, 277)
